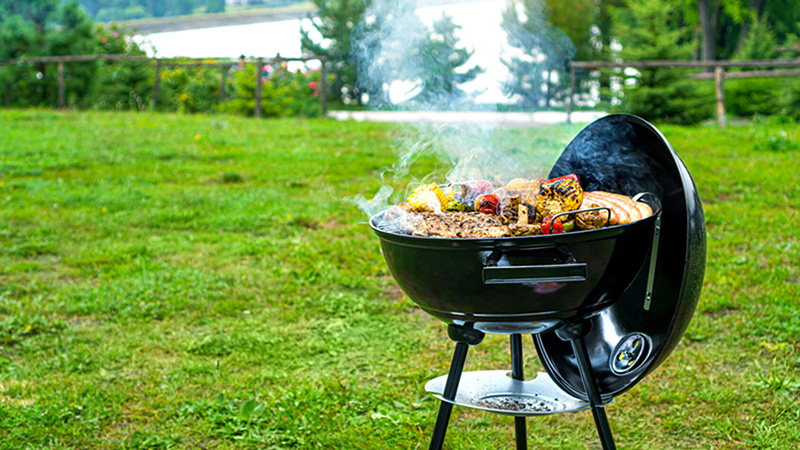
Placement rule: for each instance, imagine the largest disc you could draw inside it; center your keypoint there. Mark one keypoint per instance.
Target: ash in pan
(515, 403)
(520, 208)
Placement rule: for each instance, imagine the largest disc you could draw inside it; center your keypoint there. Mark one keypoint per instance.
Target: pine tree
(335, 21)
(442, 61)
(652, 30)
(538, 75)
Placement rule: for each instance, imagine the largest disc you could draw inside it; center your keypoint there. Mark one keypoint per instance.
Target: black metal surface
(464, 338)
(520, 429)
(575, 334)
(648, 163)
(517, 285)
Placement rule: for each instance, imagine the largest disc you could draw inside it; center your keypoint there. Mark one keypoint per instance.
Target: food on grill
(428, 197)
(549, 226)
(562, 195)
(623, 209)
(591, 220)
(481, 187)
(527, 190)
(520, 208)
(488, 204)
(455, 205)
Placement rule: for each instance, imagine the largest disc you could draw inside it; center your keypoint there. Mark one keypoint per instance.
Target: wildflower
(196, 137)
(312, 85)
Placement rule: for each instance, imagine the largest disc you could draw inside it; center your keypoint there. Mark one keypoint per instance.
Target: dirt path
(508, 119)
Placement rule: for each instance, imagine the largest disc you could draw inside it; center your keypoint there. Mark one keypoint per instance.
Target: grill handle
(548, 273)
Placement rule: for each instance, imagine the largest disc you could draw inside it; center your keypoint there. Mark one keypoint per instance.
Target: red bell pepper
(557, 227)
(571, 176)
(489, 204)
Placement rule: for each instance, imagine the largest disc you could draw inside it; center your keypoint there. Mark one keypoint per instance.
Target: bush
(747, 97)
(681, 102)
(189, 89)
(283, 93)
(121, 85)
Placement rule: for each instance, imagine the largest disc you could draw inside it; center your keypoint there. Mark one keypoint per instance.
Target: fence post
(570, 98)
(719, 85)
(156, 83)
(323, 88)
(259, 69)
(222, 82)
(61, 85)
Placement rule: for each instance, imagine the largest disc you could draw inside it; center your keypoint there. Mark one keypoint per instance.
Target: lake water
(480, 31)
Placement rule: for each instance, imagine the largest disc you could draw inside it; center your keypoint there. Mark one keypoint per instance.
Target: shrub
(189, 89)
(747, 97)
(121, 85)
(283, 93)
(681, 102)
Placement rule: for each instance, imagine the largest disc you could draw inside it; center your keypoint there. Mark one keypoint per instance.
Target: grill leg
(516, 373)
(464, 337)
(574, 334)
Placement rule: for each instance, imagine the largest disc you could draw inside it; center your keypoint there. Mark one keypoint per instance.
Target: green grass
(191, 281)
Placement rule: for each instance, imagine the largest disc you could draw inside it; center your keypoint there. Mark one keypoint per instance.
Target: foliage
(442, 64)
(650, 30)
(575, 18)
(335, 21)
(747, 97)
(46, 28)
(121, 85)
(545, 51)
(215, 6)
(398, 47)
(283, 93)
(189, 89)
(144, 303)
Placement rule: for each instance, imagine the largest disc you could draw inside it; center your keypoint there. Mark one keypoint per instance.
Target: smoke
(395, 49)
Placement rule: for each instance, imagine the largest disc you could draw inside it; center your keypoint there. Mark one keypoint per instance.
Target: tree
(215, 6)
(335, 21)
(442, 61)
(576, 19)
(537, 74)
(44, 28)
(651, 30)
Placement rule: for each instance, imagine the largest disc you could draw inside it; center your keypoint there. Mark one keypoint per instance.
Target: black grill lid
(626, 154)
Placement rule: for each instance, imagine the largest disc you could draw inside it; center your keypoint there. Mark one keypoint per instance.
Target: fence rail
(718, 75)
(224, 64)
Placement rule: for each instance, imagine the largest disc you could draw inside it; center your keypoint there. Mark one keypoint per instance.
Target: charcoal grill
(605, 307)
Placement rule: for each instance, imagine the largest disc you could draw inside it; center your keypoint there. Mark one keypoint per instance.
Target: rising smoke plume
(390, 48)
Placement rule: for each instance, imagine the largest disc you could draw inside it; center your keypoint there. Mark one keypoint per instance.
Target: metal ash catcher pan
(624, 294)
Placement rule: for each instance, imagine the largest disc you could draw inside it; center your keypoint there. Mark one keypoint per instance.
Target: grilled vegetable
(571, 176)
(562, 195)
(428, 197)
(479, 188)
(549, 226)
(488, 204)
(591, 220)
(458, 206)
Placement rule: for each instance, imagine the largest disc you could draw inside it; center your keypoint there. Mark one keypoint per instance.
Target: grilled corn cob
(428, 197)
(562, 195)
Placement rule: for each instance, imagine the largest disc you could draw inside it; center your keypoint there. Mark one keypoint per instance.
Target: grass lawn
(198, 282)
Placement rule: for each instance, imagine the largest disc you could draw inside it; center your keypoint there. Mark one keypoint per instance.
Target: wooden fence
(719, 74)
(158, 63)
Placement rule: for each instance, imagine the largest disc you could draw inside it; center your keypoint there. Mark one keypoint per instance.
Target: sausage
(627, 203)
(619, 215)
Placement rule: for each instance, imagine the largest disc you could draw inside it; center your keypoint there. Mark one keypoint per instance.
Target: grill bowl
(517, 284)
